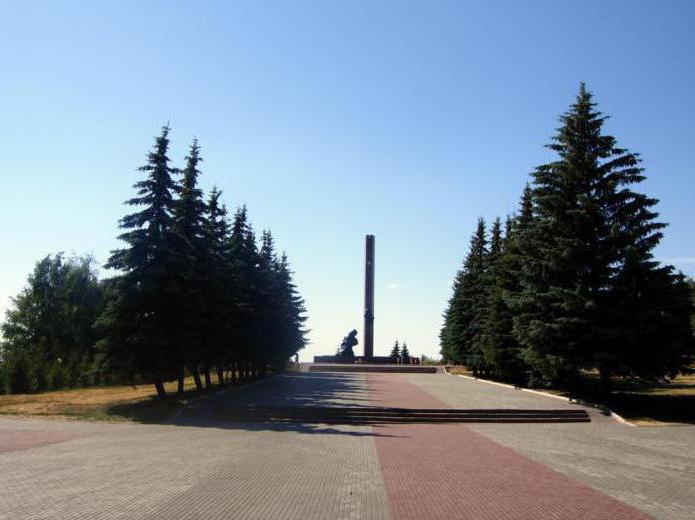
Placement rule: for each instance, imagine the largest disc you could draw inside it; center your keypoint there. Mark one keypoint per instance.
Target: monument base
(372, 367)
(374, 360)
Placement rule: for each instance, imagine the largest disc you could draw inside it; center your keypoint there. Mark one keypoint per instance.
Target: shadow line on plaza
(299, 390)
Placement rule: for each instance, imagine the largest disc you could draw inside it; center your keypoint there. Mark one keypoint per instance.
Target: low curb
(610, 413)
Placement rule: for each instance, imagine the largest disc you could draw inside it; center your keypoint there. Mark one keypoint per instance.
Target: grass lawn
(113, 403)
(459, 370)
(644, 404)
(654, 404)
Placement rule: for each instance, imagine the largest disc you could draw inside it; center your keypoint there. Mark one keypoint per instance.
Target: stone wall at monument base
(381, 360)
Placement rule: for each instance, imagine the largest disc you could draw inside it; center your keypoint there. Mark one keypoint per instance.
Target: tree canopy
(192, 293)
(573, 284)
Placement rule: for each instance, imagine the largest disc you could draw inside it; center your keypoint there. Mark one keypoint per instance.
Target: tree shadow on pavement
(297, 390)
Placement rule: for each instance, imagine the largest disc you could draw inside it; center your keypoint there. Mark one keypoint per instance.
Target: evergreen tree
(483, 341)
(465, 314)
(500, 348)
(648, 326)
(268, 308)
(292, 316)
(189, 219)
(220, 332)
(191, 293)
(143, 331)
(587, 255)
(567, 250)
(452, 328)
(405, 354)
(242, 257)
(395, 351)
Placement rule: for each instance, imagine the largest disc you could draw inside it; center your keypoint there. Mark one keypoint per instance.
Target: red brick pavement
(446, 471)
(13, 440)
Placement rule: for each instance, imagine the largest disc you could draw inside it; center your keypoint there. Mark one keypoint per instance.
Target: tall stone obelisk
(369, 298)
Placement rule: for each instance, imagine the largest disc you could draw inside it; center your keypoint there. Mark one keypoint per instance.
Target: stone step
(376, 415)
(412, 369)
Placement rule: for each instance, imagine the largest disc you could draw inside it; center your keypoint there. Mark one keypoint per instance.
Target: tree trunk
(220, 376)
(179, 390)
(161, 392)
(206, 373)
(196, 377)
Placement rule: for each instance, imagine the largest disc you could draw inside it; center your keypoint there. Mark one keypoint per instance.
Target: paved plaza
(210, 463)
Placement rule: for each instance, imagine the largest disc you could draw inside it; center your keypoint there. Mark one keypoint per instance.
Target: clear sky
(331, 120)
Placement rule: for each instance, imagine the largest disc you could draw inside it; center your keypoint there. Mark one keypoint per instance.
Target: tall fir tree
(465, 314)
(220, 332)
(405, 354)
(590, 241)
(501, 349)
(142, 331)
(490, 341)
(267, 305)
(451, 329)
(395, 351)
(292, 314)
(241, 262)
(189, 220)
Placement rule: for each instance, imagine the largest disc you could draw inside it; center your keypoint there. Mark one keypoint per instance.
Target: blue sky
(332, 120)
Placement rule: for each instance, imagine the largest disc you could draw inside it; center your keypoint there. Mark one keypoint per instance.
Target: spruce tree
(189, 218)
(292, 314)
(568, 251)
(268, 315)
(460, 337)
(242, 256)
(395, 351)
(648, 326)
(142, 331)
(405, 354)
(587, 259)
(501, 350)
(489, 341)
(452, 327)
(647, 319)
(220, 295)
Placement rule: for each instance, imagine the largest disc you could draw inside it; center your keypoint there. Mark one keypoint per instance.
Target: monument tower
(369, 298)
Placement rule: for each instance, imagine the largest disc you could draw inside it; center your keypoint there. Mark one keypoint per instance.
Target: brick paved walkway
(207, 466)
(450, 471)
(652, 469)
